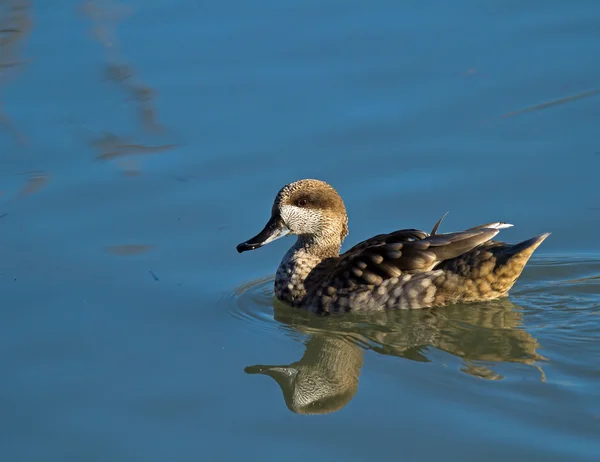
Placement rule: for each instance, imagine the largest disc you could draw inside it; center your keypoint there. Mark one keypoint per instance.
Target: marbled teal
(405, 269)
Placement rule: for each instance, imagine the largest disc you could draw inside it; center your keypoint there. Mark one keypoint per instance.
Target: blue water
(141, 141)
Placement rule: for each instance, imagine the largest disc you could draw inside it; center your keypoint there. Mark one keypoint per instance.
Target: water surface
(141, 141)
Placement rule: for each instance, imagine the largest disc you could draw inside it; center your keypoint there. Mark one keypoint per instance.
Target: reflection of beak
(283, 375)
(274, 229)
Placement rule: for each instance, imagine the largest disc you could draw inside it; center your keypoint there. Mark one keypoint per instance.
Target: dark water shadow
(554, 102)
(15, 25)
(105, 17)
(326, 378)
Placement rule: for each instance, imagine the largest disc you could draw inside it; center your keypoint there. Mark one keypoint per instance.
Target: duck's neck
(298, 263)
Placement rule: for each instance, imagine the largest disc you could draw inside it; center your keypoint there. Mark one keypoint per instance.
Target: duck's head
(311, 209)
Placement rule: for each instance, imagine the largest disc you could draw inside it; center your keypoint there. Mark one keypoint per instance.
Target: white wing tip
(501, 225)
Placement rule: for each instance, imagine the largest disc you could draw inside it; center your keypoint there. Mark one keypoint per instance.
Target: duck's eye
(302, 202)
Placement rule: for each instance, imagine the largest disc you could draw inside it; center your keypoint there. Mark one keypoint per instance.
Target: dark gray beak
(274, 229)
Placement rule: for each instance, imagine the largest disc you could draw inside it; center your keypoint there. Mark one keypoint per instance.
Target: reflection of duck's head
(323, 381)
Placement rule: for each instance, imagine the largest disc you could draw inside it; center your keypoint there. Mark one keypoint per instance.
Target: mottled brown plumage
(405, 269)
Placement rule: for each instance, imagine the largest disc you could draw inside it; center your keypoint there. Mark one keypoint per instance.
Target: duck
(403, 269)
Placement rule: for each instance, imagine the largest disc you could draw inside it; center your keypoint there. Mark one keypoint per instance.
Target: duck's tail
(526, 248)
(485, 273)
(511, 260)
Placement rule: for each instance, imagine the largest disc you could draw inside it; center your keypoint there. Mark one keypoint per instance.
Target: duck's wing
(404, 252)
(402, 235)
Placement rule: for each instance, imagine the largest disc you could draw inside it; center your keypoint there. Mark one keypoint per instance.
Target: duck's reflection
(325, 379)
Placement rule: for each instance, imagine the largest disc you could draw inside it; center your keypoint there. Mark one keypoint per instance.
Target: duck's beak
(274, 229)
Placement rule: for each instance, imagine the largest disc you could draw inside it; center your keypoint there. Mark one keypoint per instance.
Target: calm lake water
(141, 141)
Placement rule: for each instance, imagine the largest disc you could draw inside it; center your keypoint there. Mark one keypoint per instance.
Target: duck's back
(411, 269)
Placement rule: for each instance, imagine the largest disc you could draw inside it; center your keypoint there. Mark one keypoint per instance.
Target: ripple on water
(560, 290)
(253, 303)
(561, 301)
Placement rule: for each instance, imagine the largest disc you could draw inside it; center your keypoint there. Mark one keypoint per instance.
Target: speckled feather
(405, 269)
